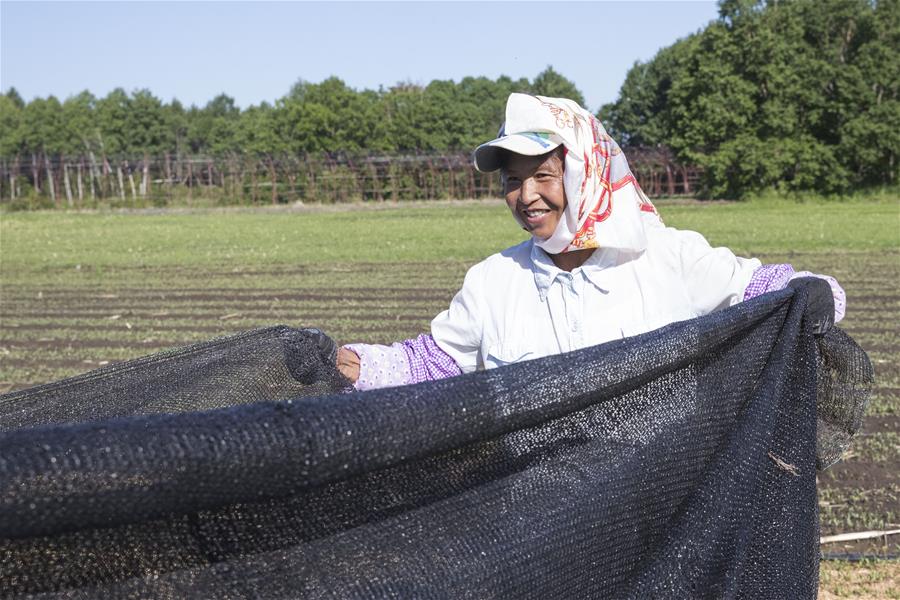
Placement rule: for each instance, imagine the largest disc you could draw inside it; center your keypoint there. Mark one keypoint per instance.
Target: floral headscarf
(606, 207)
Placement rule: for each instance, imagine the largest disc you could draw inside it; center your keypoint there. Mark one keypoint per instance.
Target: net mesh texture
(675, 464)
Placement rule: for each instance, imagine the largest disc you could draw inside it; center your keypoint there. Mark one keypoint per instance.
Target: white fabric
(530, 143)
(605, 206)
(517, 305)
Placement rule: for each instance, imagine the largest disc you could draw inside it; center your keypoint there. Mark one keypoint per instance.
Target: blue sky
(255, 51)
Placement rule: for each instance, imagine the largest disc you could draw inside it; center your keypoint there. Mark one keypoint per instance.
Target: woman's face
(534, 190)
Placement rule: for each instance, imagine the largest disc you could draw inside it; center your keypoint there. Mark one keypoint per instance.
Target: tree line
(112, 143)
(784, 94)
(792, 95)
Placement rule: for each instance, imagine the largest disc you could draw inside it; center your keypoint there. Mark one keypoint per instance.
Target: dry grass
(861, 581)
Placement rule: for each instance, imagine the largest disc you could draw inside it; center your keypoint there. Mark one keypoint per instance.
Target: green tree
(641, 115)
(79, 118)
(112, 122)
(148, 131)
(329, 117)
(550, 83)
(12, 94)
(176, 121)
(212, 129)
(792, 95)
(11, 143)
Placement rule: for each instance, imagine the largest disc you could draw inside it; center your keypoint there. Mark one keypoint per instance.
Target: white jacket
(517, 305)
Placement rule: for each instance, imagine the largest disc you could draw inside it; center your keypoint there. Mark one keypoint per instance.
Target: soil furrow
(881, 424)
(13, 345)
(68, 293)
(855, 474)
(237, 299)
(213, 316)
(113, 326)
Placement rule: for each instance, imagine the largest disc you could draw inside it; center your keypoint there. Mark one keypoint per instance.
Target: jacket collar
(546, 272)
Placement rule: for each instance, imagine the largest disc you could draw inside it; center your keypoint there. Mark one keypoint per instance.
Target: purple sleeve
(769, 278)
(411, 361)
(427, 361)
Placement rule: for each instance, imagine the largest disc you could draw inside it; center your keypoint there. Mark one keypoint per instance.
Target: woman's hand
(819, 304)
(348, 364)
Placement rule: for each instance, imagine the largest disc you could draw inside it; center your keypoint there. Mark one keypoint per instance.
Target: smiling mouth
(535, 213)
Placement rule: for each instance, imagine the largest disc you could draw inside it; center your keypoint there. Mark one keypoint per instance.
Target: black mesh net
(679, 463)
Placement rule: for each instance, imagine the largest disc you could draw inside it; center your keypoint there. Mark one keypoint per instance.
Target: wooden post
(65, 168)
(12, 179)
(145, 176)
(80, 182)
(131, 181)
(670, 179)
(35, 173)
(274, 181)
(50, 179)
(168, 168)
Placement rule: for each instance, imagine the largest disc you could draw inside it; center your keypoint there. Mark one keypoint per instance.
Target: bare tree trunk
(232, 168)
(292, 182)
(131, 181)
(50, 179)
(253, 185)
(80, 183)
(68, 184)
(14, 178)
(274, 181)
(105, 183)
(121, 178)
(145, 177)
(190, 176)
(93, 183)
(35, 173)
(94, 173)
(241, 177)
(311, 178)
(392, 182)
(453, 195)
(168, 165)
(670, 180)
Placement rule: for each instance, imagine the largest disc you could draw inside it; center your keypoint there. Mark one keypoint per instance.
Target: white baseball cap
(488, 156)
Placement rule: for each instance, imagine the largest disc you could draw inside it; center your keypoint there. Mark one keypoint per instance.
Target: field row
(61, 322)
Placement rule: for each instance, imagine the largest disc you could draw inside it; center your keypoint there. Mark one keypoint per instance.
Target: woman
(599, 266)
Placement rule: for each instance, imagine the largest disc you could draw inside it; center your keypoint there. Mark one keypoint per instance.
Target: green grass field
(419, 232)
(80, 290)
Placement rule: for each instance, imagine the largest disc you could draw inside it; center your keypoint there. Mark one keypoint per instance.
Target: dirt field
(60, 321)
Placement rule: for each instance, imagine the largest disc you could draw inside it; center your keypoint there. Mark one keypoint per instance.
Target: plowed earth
(57, 323)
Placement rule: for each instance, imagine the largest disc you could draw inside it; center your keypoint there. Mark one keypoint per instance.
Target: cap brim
(489, 156)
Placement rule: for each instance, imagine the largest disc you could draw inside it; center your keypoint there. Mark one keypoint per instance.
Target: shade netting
(675, 464)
